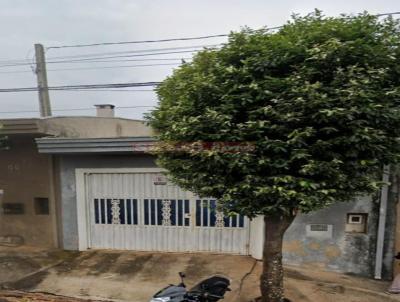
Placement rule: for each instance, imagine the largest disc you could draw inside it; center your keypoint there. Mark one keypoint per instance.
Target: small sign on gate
(160, 180)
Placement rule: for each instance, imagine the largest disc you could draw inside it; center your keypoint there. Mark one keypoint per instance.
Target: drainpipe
(382, 223)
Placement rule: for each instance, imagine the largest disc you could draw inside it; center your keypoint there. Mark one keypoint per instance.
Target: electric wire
(83, 87)
(122, 56)
(139, 60)
(107, 90)
(115, 66)
(136, 51)
(138, 42)
(72, 109)
(176, 39)
(154, 41)
(102, 54)
(112, 66)
(88, 60)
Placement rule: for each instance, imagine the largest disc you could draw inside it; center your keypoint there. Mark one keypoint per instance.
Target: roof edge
(95, 145)
(19, 126)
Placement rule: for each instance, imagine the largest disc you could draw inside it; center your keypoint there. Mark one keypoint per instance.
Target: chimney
(104, 110)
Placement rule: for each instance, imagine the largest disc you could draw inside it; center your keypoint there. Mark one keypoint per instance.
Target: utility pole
(41, 74)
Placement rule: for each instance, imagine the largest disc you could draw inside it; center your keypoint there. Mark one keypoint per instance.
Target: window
(41, 206)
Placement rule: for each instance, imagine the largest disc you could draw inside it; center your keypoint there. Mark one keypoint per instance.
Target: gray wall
(352, 253)
(68, 164)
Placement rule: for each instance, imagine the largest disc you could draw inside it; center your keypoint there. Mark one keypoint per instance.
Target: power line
(83, 87)
(73, 109)
(387, 14)
(153, 41)
(123, 56)
(24, 61)
(116, 66)
(112, 66)
(112, 61)
(135, 51)
(147, 41)
(175, 39)
(139, 42)
(88, 60)
(16, 71)
(138, 60)
(107, 90)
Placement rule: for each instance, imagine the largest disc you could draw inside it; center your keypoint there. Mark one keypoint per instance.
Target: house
(26, 185)
(83, 183)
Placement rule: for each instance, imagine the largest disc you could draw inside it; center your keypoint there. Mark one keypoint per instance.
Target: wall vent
(13, 209)
(319, 230)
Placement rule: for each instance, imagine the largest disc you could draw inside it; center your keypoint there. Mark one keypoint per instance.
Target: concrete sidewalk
(123, 275)
(310, 285)
(136, 276)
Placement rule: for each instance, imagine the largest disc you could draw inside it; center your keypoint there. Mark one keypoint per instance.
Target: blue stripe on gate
(146, 212)
(96, 211)
(187, 212)
(103, 212)
(206, 211)
(153, 208)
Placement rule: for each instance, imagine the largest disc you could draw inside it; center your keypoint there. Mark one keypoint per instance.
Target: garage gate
(144, 212)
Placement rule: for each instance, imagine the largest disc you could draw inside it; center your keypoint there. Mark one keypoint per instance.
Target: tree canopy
(318, 99)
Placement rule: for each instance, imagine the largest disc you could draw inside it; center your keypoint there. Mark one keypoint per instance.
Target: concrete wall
(93, 127)
(25, 175)
(343, 252)
(68, 164)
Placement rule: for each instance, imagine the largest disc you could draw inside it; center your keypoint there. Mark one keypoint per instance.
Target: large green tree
(319, 101)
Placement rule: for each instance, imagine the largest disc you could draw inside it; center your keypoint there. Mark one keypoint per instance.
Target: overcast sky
(66, 22)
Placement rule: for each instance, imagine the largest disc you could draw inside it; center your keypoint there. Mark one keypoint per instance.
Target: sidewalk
(136, 276)
(306, 285)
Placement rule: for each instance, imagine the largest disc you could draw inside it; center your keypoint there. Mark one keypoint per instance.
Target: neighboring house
(87, 182)
(26, 183)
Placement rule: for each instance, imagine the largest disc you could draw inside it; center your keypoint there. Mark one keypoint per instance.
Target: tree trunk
(272, 276)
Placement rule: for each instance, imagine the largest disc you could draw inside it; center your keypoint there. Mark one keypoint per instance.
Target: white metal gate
(137, 211)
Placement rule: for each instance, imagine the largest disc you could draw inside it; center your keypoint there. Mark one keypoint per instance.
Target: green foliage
(319, 99)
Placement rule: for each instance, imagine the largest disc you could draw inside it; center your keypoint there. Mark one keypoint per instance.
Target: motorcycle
(209, 290)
